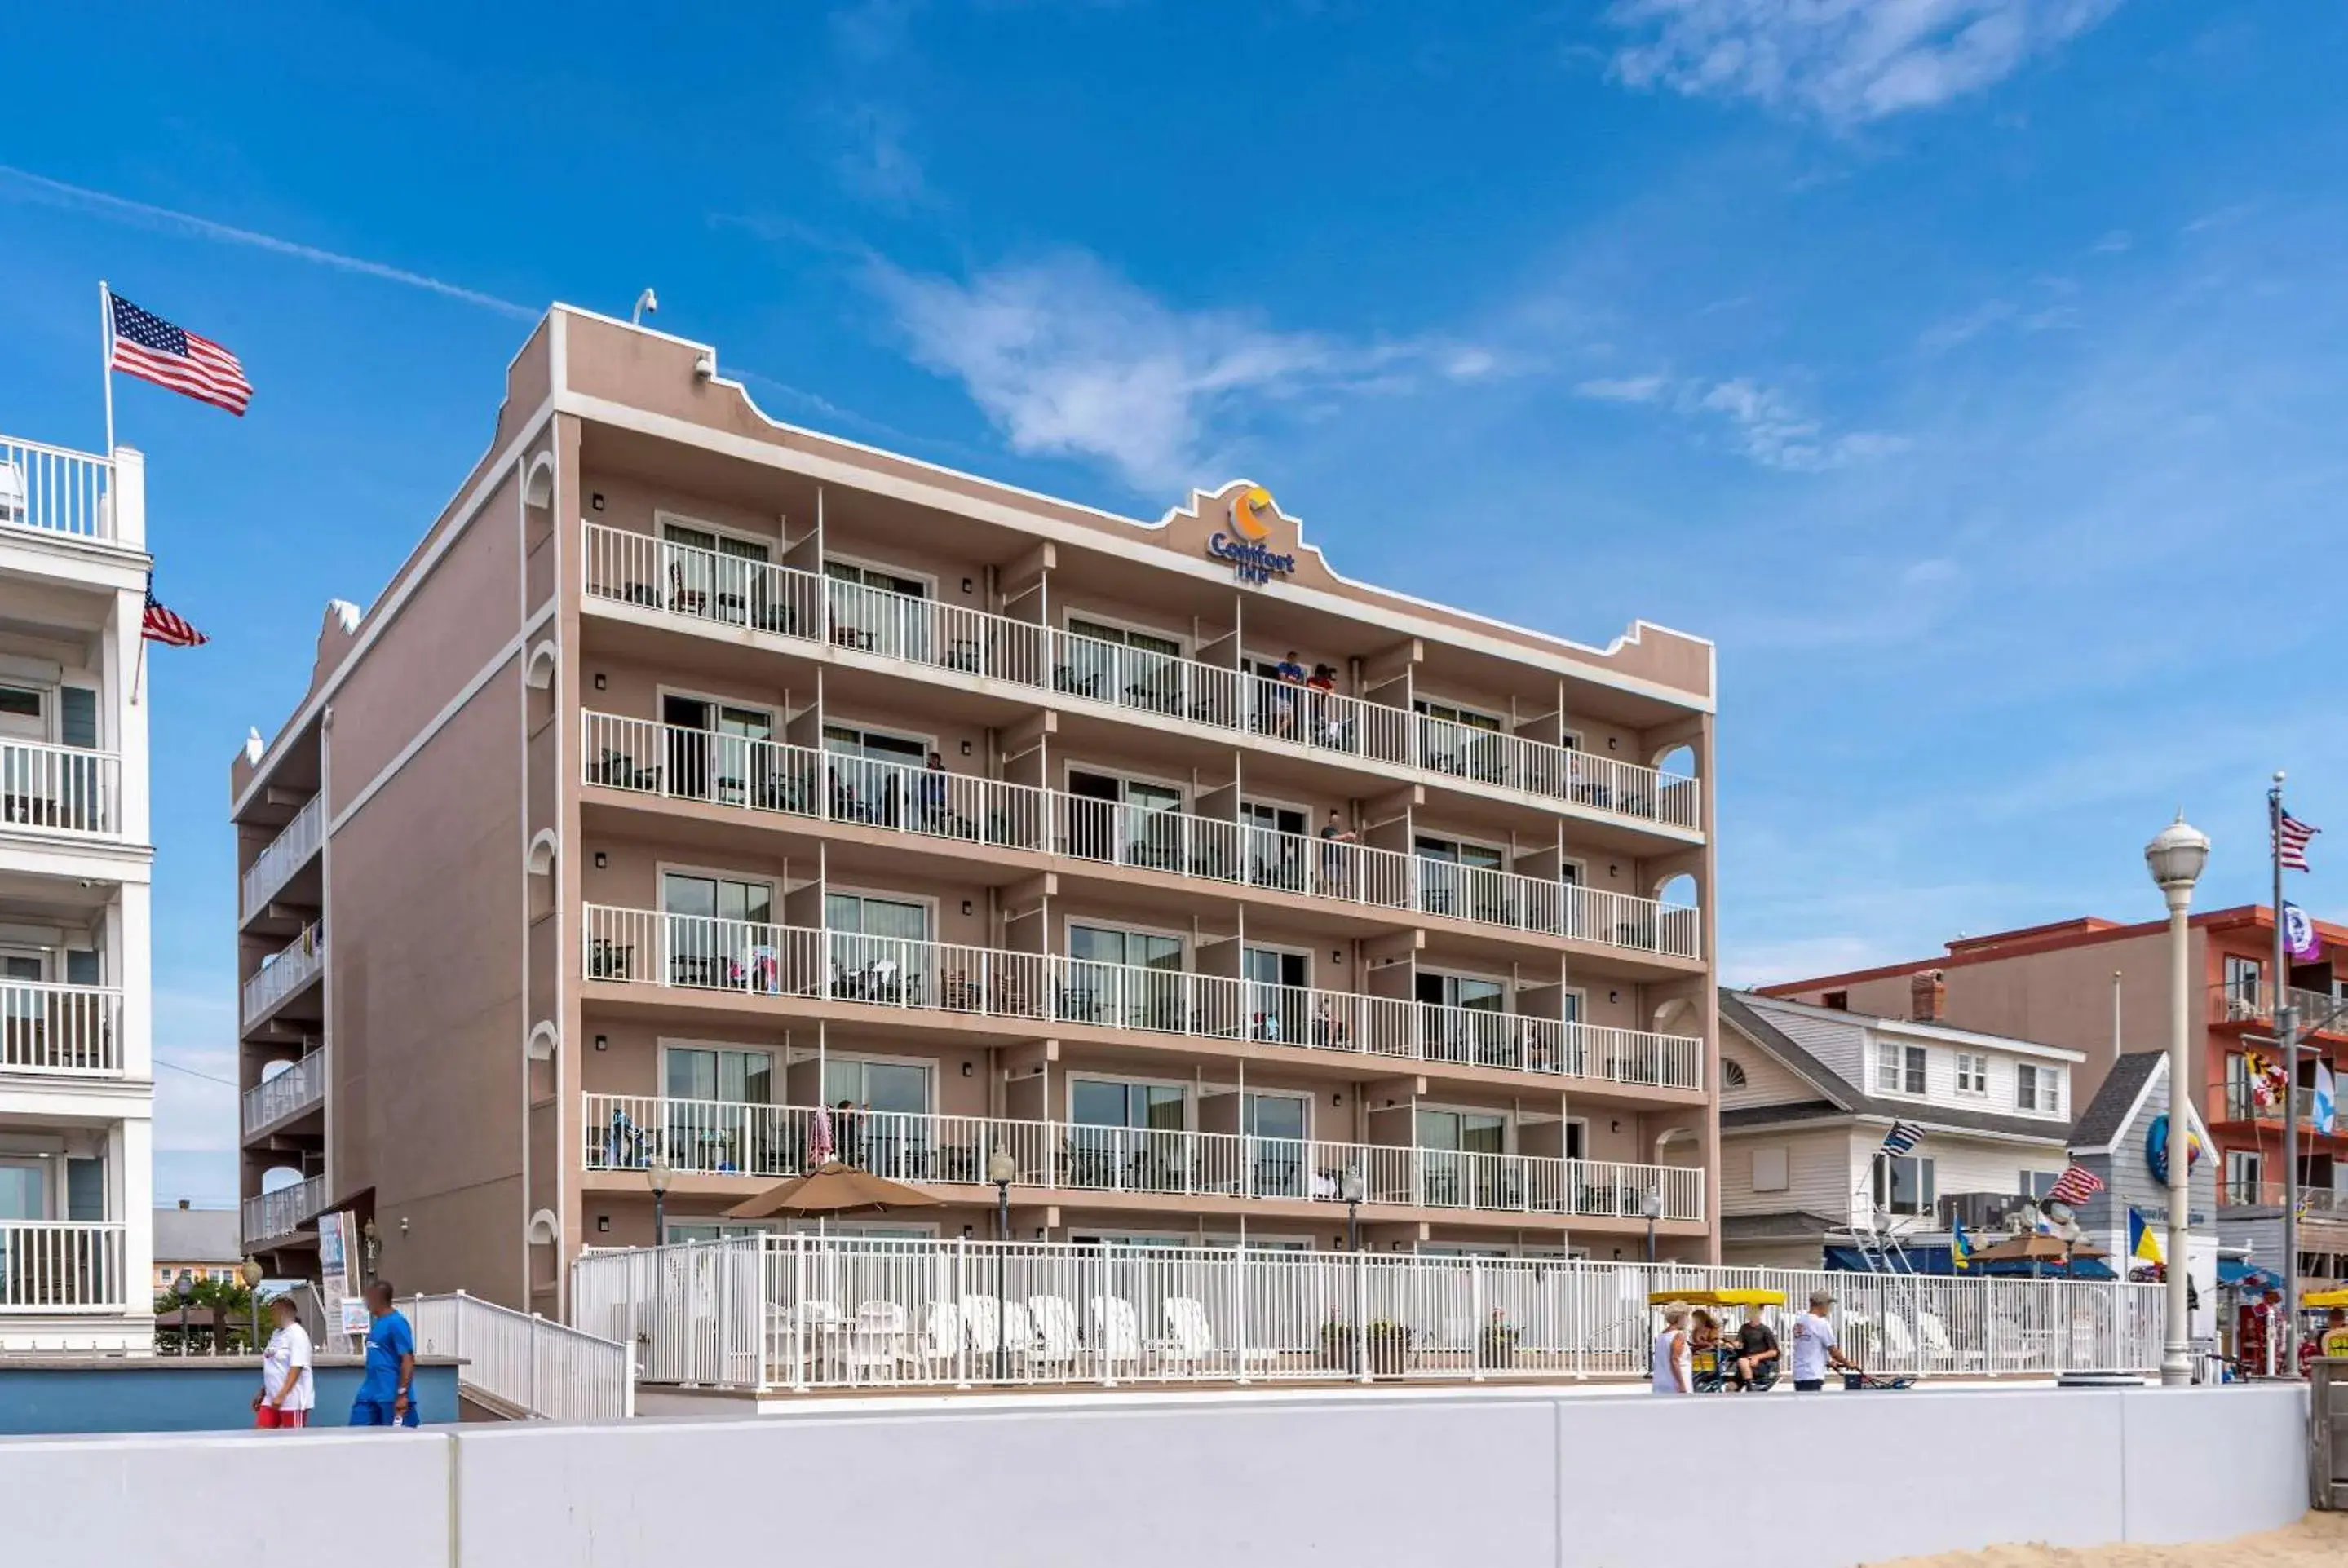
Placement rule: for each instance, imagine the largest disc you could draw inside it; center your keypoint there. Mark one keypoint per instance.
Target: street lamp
(1650, 1205)
(183, 1288)
(658, 1172)
(1353, 1190)
(249, 1271)
(1000, 1169)
(2175, 858)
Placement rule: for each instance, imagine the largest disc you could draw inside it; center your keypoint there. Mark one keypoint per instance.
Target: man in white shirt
(1812, 1337)
(288, 1382)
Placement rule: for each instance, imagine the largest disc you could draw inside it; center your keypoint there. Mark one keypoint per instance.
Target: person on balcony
(288, 1386)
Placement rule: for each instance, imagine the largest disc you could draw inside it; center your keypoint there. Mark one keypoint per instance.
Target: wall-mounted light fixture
(1335, 957)
(1614, 996)
(966, 1070)
(603, 1042)
(965, 906)
(965, 748)
(1336, 1100)
(604, 1222)
(602, 860)
(596, 500)
(1612, 869)
(1610, 746)
(599, 680)
(966, 584)
(1614, 1126)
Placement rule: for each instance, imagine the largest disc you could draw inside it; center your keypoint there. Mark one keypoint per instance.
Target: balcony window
(2244, 981)
(2243, 1176)
(1122, 664)
(1903, 1184)
(872, 608)
(863, 772)
(1449, 883)
(733, 1077)
(720, 576)
(1103, 988)
(714, 752)
(1456, 740)
(1120, 819)
(1899, 1069)
(23, 1189)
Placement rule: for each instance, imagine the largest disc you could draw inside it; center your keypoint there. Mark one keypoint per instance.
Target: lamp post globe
(2175, 858)
(1651, 1207)
(250, 1272)
(658, 1174)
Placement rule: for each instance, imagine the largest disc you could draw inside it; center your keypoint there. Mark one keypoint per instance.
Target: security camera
(704, 365)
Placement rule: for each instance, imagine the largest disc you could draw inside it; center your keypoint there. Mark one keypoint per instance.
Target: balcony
(271, 1216)
(650, 573)
(639, 757)
(286, 854)
(641, 947)
(70, 1031)
(724, 1138)
(2316, 1012)
(2330, 1201)
(2243, 1104)
(284, 973)
(60, 789)
(62, 1266)
(293, 1091)
(56, 491)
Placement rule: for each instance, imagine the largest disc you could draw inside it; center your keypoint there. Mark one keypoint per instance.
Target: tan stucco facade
(692, 752)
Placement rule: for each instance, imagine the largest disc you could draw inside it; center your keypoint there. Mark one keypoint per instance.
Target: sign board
(1243, 544)
(354, 1317)
(338, 1284)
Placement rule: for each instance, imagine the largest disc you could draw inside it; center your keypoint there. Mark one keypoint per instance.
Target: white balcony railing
(62, 1266)
(268, 1215)
(726, 1138)
(285, 854)
(283, 973)
(289, 1094)
(646, 947)
(702, 585)
(61, 1029)
(60, 789)
(644, 757)
(50, 487)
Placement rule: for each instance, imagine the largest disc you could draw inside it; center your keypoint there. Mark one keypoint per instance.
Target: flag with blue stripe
(1903, 1137)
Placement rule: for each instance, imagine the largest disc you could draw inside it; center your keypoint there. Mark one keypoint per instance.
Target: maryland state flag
(2143, 1240)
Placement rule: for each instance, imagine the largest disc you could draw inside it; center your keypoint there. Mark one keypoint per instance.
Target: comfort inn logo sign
(1242, 543)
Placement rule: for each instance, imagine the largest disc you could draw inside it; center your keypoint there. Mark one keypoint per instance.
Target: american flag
(167, 626)
(1903, 1137)
(2290, 836)
(2075, 1186)
(149, 347)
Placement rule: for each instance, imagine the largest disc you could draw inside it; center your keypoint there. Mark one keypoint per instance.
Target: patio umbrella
(832, 1188)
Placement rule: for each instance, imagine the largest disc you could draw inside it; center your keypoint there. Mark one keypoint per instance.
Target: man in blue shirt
(385, 1398)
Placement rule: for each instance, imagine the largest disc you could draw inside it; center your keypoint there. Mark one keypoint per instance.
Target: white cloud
(1069, 360)
(1843, 60)
(1763, 425)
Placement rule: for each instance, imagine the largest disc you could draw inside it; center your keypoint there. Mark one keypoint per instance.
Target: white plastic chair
(875, 1340)
(979, 1324)
(1193, 1340)
(1117, 1328)
(1055, 1331)
(941, 1338)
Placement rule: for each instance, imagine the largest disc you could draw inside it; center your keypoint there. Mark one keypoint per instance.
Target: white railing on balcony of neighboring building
(703, 585)
(644, 946)
(285, 972)
(59, 789)
(805, 1312)
(729, 1138)
(285, 854)
(62, 1266)
(55, 490)
(290, 1093)
(522, 1362)
(644, 757)
(268, 1215)
(61, 1029)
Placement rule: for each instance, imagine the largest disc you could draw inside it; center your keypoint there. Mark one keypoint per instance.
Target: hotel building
(2091, 983)
(76, 1081)
(697, 774)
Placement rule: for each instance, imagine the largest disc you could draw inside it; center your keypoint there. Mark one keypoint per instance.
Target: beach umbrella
(832, 1188)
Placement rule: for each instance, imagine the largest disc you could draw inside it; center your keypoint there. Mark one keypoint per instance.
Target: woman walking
(288, 1386)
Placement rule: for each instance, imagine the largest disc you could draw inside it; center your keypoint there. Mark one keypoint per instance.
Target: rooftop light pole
(2175, 858)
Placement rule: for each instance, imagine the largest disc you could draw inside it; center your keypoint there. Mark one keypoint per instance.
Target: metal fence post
(1476, 1324)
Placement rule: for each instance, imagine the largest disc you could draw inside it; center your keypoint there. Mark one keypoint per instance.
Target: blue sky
(1968, 369)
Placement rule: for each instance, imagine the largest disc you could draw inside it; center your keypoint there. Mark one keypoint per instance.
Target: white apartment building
(76, 1078)
(1808, 1093)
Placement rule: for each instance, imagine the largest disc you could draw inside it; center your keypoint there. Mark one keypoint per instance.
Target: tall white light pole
(2175, 856)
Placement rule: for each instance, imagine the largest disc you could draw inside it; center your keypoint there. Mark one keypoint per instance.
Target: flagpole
(105, 341)
(2287, 1037)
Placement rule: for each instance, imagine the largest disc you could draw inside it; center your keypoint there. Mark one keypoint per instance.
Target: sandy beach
(2319, 1539)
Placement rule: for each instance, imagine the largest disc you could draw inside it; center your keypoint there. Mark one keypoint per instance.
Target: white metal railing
(285, 972)
(647, 757)
(730, 1138)
(63, 789)
(703, 585)
(48, 1028)
(63, 1266)
(294, 1091)
(645, 946)
(55, 489)
(800, 1312)
(268, 1215)
(522, 1361)
(285, 854)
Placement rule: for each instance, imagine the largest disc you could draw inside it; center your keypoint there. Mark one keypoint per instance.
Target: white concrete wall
(1500, 1479)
